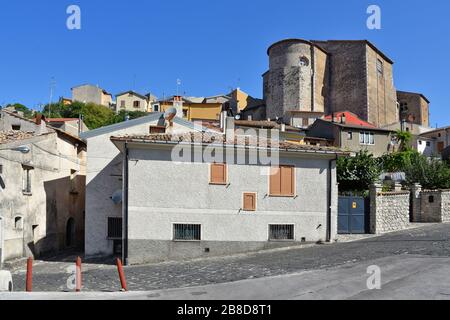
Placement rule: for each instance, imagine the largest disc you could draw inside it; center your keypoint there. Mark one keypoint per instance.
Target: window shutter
(275, 181)
(218, 173)
(287, 181)
(249, 201)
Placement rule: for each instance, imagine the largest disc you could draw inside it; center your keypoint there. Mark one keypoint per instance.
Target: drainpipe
(125, 207)
(329, 197)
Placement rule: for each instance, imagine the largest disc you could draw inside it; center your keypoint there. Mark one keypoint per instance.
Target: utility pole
(52, 85)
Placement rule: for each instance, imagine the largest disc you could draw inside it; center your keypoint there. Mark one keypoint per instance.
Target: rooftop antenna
(52, 86)
(134, 82)
(178, 86)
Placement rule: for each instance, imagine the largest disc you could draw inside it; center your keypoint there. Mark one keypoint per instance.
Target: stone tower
(294, 86)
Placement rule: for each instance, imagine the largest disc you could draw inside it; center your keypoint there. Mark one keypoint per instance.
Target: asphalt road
(427, 245)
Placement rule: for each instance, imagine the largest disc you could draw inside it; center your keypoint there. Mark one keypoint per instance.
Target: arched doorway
(70, 233)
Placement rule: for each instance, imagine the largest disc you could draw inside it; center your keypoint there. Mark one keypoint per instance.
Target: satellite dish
(237, 117)
(170, 113)
(117, 197)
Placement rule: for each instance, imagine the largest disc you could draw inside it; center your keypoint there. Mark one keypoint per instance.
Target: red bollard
(123, 282)
(78, 275)
(29, 282)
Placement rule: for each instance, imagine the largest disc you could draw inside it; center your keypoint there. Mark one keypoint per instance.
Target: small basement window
(281, 232)
(114, 228)
(187, 232)
(15, 127)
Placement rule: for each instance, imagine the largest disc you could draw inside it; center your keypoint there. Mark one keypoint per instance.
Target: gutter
(125, 207)
(329, 197)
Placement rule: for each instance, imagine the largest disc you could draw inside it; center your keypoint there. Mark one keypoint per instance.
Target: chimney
(223, 117)
(249, 118)
(283, 127)
(229, 129)
(343, 119)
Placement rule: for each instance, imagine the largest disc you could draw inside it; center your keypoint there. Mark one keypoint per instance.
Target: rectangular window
(15, 127)
(155, 108)
(249, 201)
(428, 144)
(367, 138)
(114, 228)
(73, 180)
(187, 232)
(281, 232)
(305, 122)
(282, 181)
(26, 179)
(136, 104)
(218, 173)
(122, 104)
(380, 68)
(349, 135)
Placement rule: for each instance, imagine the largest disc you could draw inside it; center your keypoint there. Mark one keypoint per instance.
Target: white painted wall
(162, 193)
(103, 178)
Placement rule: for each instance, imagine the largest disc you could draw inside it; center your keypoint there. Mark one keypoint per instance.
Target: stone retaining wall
(389, 211)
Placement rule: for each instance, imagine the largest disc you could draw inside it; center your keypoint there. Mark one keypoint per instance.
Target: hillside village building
(42, 188)
(88, 93)
(104, 181)
(184, 209)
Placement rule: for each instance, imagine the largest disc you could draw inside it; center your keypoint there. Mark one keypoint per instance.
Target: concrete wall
(9, 119)
(163, 193)
(91, 94)
(104, 178)
(56, 195)
(389, 211)
(382, 142)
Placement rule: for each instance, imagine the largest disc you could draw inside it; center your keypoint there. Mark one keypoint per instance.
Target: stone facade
(389, 211)
(414, 108)
(338, 76)
(431, 205)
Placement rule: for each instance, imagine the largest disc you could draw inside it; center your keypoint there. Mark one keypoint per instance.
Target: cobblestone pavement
(51, 275)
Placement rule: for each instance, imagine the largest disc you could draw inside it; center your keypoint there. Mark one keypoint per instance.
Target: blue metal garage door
(352, 215)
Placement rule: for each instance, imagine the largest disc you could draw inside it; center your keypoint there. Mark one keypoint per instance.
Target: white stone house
(175, 209)
(42, 176)
(133, 101)
(104, 178)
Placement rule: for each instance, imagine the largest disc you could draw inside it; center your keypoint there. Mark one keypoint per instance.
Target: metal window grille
(281, 232)
(115, 228)
(187, 232)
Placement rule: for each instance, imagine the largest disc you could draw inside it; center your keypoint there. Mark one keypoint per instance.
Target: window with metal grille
(380, 68)
(114, 228)
(281, 232)
(187, 232)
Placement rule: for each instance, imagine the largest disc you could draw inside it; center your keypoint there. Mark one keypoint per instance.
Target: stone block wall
(389, 211)
(434, 206)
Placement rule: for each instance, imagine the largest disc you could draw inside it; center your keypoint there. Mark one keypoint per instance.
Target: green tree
(357, 173)
(430, 173)
(404, 138)
(27, 113)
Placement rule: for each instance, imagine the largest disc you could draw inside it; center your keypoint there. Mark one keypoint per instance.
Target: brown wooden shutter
(282, 181)
(440, 146)
(249, 201)
(275, 181)
(287, 181)
(218, 173)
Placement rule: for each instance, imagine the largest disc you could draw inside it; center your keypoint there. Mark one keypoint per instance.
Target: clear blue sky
(211, 45)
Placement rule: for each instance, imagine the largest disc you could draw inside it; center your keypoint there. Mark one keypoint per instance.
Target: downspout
(329, 197)
(125, 207)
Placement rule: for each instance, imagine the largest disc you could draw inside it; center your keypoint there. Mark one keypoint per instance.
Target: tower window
(380, 68)
(304, 62)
